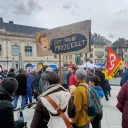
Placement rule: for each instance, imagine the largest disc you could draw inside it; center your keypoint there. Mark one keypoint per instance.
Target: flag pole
(60, 70)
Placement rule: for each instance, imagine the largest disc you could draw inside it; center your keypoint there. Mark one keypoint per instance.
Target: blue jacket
(29, 90)
(99, 91)
(124, 77)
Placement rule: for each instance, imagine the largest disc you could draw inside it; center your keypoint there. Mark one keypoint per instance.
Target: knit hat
(10, 85)
(49, 69)
(81, 74)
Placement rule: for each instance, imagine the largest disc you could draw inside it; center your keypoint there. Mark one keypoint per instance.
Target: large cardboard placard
(70, 39)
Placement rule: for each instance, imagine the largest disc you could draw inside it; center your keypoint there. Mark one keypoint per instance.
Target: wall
(6, 43)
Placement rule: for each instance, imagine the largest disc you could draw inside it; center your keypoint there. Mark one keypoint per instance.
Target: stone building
(15, 39)
(121, 48)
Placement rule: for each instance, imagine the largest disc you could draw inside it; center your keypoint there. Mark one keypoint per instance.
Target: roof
(21, 29)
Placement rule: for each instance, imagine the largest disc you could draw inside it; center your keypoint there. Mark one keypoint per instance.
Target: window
(15, 50)
(28, 50)
(91, 55)
(125, 49)
(66, 57)
(96, 62)
(95, 45)
(81, 54)
(70, 56)
(0, 50)
(96, 53)
(91, 49)
(55, 56)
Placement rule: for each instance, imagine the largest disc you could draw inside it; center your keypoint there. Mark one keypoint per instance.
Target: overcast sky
(109, 17)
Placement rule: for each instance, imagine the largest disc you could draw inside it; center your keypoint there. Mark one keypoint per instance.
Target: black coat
(22, 84)
(6, 112)
(11, 74)
(102, 79)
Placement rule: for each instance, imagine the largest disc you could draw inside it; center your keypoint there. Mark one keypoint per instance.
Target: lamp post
(7, 51)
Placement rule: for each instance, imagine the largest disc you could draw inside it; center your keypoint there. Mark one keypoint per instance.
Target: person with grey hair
(81, 101)
(42, 81)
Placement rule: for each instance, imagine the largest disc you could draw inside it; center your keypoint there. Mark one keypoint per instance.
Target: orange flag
(113, 63)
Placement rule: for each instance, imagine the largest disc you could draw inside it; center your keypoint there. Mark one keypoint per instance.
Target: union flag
(113, 63)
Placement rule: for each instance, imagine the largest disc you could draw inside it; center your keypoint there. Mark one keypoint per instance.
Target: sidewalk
(111, 117)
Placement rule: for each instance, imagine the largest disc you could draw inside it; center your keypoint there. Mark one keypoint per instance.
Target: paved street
(111, 118)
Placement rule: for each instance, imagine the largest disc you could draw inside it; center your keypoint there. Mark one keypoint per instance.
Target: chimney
(1, 23)
(10, 22)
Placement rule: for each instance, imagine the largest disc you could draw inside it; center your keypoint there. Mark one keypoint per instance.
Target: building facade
(16, 39)
(121, 48)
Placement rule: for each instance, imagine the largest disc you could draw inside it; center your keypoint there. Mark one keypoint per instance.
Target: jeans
(105, 93)
(30, 99)
(16, 97)
(96, 123)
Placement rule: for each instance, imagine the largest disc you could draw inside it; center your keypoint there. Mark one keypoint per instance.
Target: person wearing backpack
(42, 81)
(81, 119)
(54, 106)
(35, 84)
(94, 83)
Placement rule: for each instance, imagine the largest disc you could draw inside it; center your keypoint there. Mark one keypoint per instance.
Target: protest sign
(70, 39)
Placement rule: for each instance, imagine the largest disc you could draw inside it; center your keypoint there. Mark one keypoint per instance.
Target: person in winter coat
(7, 88)
(94, 83)
(101, 75)
(122, 104)
(89, 74)
(29, 89)
(106, 82)
(11, 73)
(1, 79)
(124, 78)
(42, 81)
(59, 95)
(69, 74)
(64, 78)
(22, 88)
(72, 79)
(81, 119)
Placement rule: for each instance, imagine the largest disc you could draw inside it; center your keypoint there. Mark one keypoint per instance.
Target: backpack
(94, 106)
(35, 83)
(59, 121)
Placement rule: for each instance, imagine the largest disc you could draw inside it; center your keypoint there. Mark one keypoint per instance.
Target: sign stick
(60, 72)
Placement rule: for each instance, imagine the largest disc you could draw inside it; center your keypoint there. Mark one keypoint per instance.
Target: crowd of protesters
(71, 97)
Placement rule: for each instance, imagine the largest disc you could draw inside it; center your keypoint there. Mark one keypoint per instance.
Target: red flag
(113, 63)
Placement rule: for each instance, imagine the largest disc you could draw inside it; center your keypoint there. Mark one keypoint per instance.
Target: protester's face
(72, 71)
(44, 43)
(91, 83)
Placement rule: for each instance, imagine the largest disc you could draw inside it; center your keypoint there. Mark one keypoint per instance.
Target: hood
(98, 88)
(4, 95)
(58, 94)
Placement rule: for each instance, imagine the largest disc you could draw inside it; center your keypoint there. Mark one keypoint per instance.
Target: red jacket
(122, 104)
(72, 80)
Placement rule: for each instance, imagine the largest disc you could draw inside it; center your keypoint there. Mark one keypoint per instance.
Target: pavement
(111, 115)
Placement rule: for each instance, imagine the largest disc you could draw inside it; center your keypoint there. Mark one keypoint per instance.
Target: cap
(49, 69)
